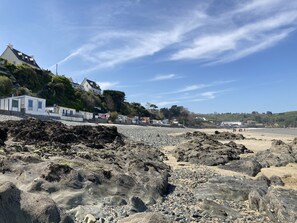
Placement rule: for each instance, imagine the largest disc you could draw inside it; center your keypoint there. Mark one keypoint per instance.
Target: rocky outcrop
(229, 188)
(35, 131)
(279, 154)
(279, 204)
(149, 217)
(217, 135)
(20, 207)
(83, 166)
(227, 136)
(207, 151)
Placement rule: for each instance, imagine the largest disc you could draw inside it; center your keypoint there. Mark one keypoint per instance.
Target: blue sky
(208, 55)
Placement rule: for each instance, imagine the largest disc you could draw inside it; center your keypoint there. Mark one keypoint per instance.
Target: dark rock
(250, 167)
(276, 181)
(229, 188)
(56, 171)
(227, 136)
(34, 131)
(3, 133)
(137, 204)
(256, 201)
(217, 210)
(280, 154)
(280, 205)
(207, 151)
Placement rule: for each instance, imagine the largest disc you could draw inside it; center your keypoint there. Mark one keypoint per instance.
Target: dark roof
(24, 57)
(93, 84)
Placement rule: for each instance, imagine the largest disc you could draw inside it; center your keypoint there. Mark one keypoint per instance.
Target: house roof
(93, 84)
(24, 57)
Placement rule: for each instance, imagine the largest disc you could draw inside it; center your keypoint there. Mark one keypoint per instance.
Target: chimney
(10, 46)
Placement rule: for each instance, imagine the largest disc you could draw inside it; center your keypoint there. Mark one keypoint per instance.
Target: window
(30, 104)
(39, 104)
(15, 103)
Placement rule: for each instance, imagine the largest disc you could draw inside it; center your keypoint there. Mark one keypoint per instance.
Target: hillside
(57, 89)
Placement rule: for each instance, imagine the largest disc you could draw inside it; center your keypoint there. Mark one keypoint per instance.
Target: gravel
(153, 136)
(181, 205)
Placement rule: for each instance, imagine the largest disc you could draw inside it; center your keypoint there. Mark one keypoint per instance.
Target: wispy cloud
(232, 34)
(226, 45)
(195, 87)
(165, 77)
(204, 96)
(191, 88)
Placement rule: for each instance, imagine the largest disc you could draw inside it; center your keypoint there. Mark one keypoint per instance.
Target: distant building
(18, 58)
(64, 113)
(25, 104)
(231, 124)
(92, 86)
(61, 111)
(77, 86)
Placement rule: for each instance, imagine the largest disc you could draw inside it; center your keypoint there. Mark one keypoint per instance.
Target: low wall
(73, 119)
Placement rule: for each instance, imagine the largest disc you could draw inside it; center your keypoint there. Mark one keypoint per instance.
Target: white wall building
(25, 104)
(86, 115)
(18, 58)
(61, 111)
(92, 86)
(64, 113)
(231, 123)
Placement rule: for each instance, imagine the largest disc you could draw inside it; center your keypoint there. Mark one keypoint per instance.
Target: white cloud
(191, 88)
(163, 103)
(107, 85)
(165, 77)
(209, 94)
(195, 87)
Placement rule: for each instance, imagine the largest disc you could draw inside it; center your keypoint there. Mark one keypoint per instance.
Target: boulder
(279, 154)
(256, 201)
(149, 217)
(247, 166)
(216, 210)
(21, 207)
(229, 188)
(276, 181)
(137, 205)
(280, 204)
(207, 151)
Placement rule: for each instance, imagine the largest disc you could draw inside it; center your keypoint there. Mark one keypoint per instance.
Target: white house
(61, 111)
(86, 115)
(64, 113)
(18, 58)
(25, 104)
(231, 123)
(92, 86)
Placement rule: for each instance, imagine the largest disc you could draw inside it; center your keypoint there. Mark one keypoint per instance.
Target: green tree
(113, 116)
(5, 86)
(114, 100)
